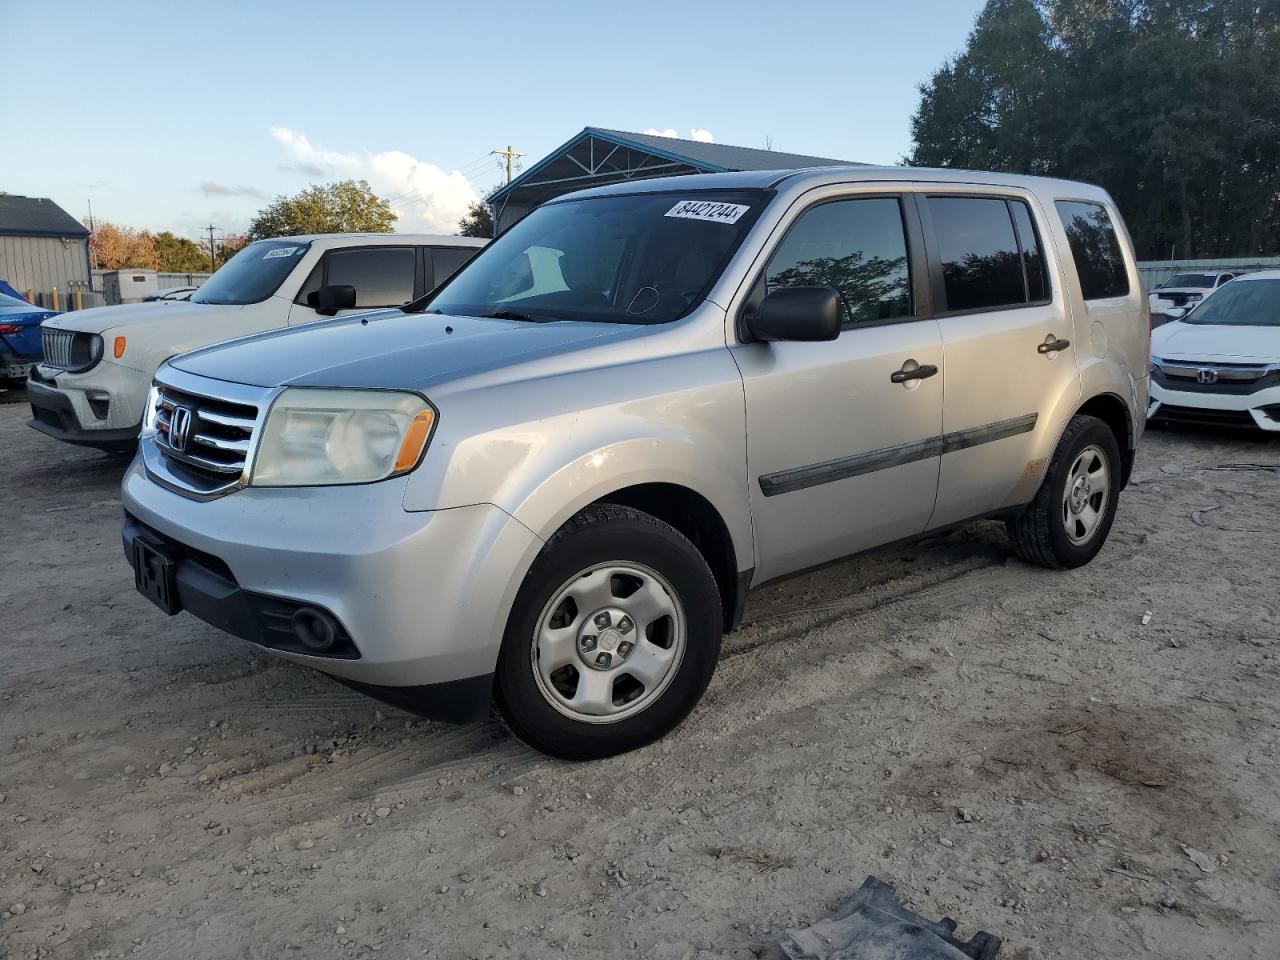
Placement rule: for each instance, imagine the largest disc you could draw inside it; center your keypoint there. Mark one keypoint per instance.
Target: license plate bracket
(155, 576)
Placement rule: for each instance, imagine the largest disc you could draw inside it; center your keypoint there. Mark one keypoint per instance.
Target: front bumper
(54, 414)
(1260, 410)
(422, 596)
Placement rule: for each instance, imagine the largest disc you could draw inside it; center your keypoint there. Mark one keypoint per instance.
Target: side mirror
(797, 313)
(329, 300)
(1176, 313)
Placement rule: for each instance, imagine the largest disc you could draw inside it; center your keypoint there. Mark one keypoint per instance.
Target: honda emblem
(180, 428)
(1206, 375)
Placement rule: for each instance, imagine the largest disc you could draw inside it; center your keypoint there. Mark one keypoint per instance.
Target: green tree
(477, 222)
(179, 255)
(348, 206)
(1172, 105)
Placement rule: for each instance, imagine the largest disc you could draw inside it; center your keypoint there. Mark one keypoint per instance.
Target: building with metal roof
(43, 249)
(598, 156)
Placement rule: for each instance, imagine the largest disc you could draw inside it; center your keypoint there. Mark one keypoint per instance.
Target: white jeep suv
(92, 385)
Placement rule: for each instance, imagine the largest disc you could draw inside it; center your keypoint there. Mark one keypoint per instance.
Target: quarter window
(981, 264)
(382, 276)
(1095, 249)
(856, 247)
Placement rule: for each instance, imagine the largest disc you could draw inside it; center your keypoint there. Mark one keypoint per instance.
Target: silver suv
(554, 480)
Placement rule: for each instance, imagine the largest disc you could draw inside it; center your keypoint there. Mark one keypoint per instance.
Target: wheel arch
(1114, 412)
(697, 519)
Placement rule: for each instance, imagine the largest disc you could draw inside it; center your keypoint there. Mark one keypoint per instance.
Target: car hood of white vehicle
(1204, 341)
(390, 349)
(102, 319)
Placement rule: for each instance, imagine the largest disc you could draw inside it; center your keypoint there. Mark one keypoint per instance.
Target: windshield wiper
(513, 315)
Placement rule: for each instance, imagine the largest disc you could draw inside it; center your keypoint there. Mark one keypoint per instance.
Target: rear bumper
(14, 366)
(1260, 410)
(54, 414)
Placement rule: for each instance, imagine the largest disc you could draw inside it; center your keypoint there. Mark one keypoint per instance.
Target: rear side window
(981, 264)
(446, 261)
(856, 247)
(1032, 255)
(382, 276)
(1095, 249)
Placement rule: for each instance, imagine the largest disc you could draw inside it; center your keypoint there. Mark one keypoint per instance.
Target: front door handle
(913, 371)
(1053, 344)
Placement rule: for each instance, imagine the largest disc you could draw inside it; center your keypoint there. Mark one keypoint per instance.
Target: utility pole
(93, 241)
(511, 156)
(213, 266)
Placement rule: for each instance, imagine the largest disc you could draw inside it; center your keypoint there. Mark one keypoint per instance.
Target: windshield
(253, 274)
(639, 258)
(1188, 280)
(1251, 303)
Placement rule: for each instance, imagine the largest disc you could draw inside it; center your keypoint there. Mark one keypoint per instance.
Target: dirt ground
(1012, 747)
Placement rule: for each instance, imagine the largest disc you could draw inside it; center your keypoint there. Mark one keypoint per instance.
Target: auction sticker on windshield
(279, 252)
(708, 210)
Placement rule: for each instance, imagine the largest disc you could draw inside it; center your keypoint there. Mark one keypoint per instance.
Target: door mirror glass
(330, 299)
(797, 313)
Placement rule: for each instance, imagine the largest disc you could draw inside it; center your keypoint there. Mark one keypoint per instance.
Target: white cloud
(697, 133)
(426, 197)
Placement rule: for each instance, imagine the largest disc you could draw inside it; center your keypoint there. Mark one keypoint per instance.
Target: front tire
(1068, 521)
(613, 637)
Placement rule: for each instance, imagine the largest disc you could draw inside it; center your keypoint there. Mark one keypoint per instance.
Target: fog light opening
(315, 629)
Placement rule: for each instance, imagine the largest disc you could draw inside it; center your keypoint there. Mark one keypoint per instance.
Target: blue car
(20, 348)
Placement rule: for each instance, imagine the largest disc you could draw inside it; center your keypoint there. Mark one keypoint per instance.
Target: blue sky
(175, 115)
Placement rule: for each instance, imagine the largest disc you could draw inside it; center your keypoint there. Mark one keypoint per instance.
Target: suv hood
(1201, 341)
(389, 349)
(102, 319)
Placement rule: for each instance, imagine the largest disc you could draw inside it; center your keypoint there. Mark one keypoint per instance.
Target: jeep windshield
(1249, 303)
(635, 258)
(253, 274)
(1187, 280)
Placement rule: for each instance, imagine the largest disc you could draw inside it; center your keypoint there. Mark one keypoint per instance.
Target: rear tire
(1068, 521)
(613, 636)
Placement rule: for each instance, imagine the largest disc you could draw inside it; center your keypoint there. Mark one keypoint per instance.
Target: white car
(1220, 365)
(1186, 290)
(92, 385)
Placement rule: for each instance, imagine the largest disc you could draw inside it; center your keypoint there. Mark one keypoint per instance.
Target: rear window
(982, 267)
(1095, 248)
(1188, 280)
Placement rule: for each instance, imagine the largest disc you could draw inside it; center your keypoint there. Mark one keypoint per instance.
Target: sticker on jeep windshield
(279, 252)
(708, 210)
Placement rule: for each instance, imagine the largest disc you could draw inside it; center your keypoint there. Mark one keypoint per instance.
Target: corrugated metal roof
(706, 157)
(722, 155)
(37, 217)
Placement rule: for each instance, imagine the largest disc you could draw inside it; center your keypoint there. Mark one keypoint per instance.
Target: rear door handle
(918, 372)
(1051, 345)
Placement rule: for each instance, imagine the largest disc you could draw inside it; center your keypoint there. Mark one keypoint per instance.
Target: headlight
(321, 437)
(84, 354)
(149, 412)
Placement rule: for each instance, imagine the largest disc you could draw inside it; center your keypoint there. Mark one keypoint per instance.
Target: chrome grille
(1228, 372)
(57, 347)
(206, 440)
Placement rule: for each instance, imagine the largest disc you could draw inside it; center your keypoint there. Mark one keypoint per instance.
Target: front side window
(633, 258)
(1224, 278)
(253, 274)
(981, 263)
(382, 276)
(1095, 248)
(856, 247)
(1245, 303)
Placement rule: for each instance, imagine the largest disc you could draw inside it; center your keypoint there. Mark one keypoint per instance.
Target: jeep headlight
(321, 437)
